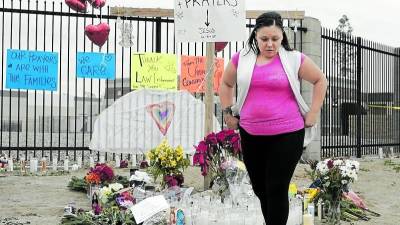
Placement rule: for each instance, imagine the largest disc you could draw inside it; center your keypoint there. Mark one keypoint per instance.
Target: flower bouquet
(333, 177)
(167, 162)
(100, 175)
(110, 207)
(214, 154)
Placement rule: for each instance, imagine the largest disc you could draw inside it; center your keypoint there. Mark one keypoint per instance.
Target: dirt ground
(39, 200)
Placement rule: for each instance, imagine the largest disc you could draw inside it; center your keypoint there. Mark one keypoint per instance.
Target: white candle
(391, 152)
(91, 162)
(117, 161)
(55, 164)
(307, 219)
(10, 165)
(79, 162)
(380, 153)
(191, 159)
(31, 165)
(102, 159)
(66, 162)
(134, 162)
(75, 167)
(35, 165)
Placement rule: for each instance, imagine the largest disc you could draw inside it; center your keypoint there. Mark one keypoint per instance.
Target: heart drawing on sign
(162, 113)
(77, 5)
(98, 34)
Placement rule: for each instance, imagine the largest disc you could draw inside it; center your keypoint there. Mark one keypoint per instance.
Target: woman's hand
(231, 121)
(311, 119)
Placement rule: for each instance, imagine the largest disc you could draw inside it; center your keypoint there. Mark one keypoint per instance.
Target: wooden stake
(209, 97)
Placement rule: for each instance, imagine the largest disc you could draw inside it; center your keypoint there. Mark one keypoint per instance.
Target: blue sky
(371, 19)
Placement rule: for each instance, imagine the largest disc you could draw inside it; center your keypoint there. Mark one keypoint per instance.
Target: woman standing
(274, 120)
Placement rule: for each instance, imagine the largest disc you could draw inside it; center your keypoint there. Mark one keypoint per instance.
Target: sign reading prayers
(32, 70)
(95, 65)
(154, 70)
(210, 20)
(193, 71)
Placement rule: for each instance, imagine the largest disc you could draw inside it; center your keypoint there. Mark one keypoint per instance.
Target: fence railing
(60, 123)
(361, 112)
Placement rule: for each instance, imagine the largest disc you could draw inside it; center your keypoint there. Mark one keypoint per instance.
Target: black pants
(270, 162)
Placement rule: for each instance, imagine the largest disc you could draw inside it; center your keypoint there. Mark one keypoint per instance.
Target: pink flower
(202, 147)
(221, 136)
(170, 181)
(211, 139)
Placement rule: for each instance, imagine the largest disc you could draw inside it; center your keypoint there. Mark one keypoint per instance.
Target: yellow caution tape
(385, 107)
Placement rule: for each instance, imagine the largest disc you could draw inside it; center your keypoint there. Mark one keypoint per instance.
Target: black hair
(267, 19)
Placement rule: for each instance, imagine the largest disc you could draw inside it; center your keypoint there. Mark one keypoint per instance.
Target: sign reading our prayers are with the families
(32, 70)
(210, 20)
(95, 65)
(153, 70)
(193, 71)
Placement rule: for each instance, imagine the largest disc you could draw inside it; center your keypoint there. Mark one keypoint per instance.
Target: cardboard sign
(193, 71)
(154, 70)
(210, 20)
(33, 70)
(95, 65)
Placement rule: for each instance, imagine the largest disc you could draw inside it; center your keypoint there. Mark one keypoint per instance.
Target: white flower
(105, 192)
(322, 168)
(140, 176)
(338, 162)
(344, 182)
(115, 187)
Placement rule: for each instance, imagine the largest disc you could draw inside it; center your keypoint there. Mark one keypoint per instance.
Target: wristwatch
(227, 110)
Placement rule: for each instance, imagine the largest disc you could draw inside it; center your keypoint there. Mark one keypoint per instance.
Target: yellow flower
(173, 163)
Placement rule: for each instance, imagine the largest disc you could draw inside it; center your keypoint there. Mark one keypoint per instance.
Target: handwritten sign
(193, 71)
(154, 70)
(33, 70)
(95, 65)
(210, 21)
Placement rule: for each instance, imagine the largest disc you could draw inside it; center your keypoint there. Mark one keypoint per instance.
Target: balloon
(98, 34)
(77, 5)
(219, 46)
(98, 3)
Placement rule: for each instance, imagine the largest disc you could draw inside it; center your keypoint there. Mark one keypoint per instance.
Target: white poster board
(210, 20)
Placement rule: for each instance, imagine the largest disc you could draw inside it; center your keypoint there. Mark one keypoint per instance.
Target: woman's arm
(310, 72)
(226, 89)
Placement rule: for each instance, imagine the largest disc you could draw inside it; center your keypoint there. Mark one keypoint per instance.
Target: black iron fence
(361, 112)
(60, 123)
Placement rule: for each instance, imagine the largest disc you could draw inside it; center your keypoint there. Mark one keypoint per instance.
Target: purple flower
(120, 200)
(330, 164)
(123, 164)
(144, 164)
(106, 173)
(96, 209)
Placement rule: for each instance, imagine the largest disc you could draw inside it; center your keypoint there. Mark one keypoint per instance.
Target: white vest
(291, 61)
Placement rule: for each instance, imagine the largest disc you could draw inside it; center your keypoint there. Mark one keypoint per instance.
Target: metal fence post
(359, 97)
(158, 34)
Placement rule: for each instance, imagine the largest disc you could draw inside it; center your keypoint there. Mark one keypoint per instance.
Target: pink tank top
(270, 107)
